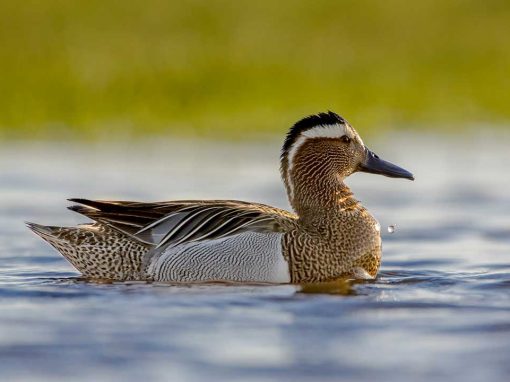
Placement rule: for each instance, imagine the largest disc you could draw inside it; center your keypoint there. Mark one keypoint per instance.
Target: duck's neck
(319, 202)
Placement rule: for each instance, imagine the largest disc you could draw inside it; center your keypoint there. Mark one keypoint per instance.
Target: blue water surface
(439, 310)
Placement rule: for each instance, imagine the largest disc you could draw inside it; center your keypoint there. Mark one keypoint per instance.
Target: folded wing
(177, 222)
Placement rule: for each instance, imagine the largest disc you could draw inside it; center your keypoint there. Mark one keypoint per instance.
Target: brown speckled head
(320, 151)
(321, 148)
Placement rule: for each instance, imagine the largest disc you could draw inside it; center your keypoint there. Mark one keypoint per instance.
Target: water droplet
(392, 228)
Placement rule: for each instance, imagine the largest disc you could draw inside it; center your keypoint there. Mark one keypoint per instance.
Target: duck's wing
(177, 222)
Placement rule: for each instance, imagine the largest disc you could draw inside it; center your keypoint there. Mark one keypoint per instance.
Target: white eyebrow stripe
(327, 131)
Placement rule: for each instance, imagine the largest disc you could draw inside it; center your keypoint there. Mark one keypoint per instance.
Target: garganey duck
(330, 235)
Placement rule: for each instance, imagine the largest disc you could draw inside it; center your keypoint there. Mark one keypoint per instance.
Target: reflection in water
(343, 287)
(438, 310)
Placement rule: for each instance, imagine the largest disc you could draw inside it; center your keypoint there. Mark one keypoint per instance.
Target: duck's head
(326, 147)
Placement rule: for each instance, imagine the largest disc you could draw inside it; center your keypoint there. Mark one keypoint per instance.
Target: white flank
(246, 257)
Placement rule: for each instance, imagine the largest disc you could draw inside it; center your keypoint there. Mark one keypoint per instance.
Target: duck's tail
(96, 250)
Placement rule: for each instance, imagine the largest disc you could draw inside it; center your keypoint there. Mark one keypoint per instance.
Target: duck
(329, 235)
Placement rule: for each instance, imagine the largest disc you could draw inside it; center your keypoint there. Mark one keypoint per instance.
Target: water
(440, 309)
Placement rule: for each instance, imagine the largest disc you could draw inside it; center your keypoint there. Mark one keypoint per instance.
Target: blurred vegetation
(238, 68)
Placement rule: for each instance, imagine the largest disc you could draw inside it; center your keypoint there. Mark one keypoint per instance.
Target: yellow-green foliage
(234, 68)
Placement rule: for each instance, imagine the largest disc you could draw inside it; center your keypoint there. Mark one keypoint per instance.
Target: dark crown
(307, 123)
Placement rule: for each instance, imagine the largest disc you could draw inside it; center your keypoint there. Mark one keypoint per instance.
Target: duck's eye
(346, 139)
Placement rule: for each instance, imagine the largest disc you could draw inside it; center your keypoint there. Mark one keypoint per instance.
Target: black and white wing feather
(177, 222)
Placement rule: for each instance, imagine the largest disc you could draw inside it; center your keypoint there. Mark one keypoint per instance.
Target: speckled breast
(370, 262)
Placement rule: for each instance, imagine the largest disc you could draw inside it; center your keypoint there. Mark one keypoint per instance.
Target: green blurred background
(236, 69)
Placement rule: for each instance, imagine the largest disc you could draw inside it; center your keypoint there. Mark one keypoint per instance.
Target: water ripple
(438, 310)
